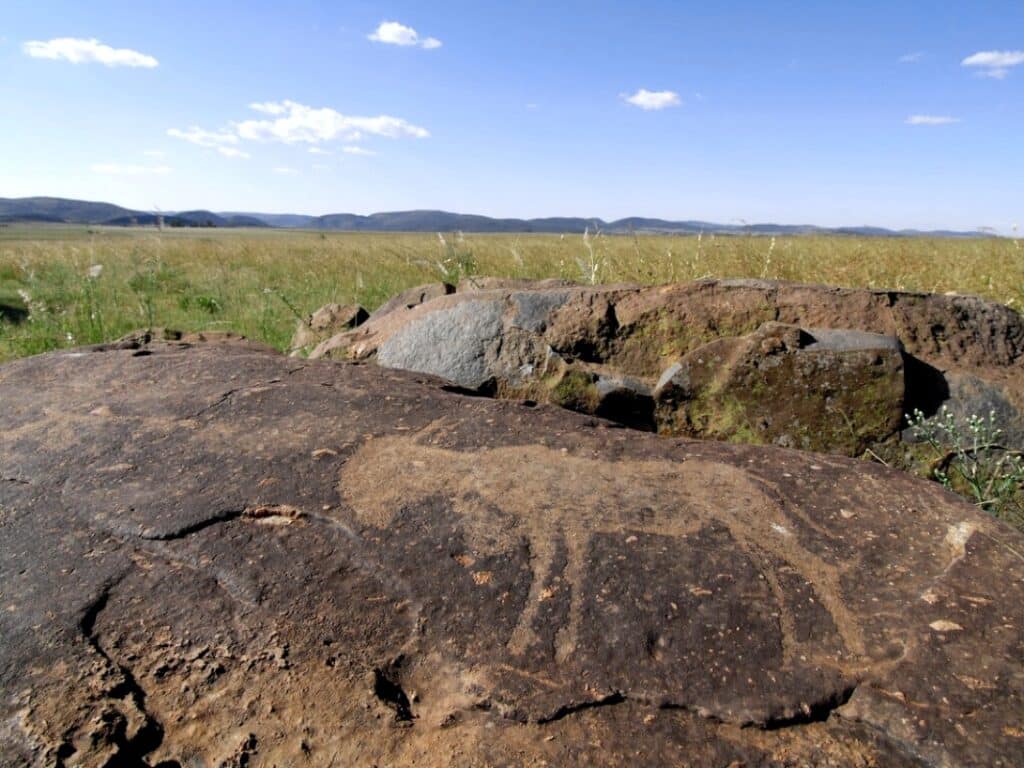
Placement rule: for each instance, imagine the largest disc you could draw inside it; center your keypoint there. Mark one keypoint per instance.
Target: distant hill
(60, 210)
(185, 219)
(285, 220)
(55, 209)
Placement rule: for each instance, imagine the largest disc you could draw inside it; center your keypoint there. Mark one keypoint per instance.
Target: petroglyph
(625, 497)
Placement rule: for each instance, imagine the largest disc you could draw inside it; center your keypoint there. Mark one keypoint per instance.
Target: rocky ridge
(754, 361)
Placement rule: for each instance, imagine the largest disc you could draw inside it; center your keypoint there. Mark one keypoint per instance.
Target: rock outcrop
(326, 322)
(746, 360)
(211, 554)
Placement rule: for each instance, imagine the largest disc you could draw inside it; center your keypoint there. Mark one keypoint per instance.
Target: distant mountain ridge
(61, 210)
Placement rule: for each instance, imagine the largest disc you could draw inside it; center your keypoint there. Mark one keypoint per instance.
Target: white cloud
(154, 153)
(222, 141)
(911, 58)
(283, 171)
(350, 150)
(995, 64)
(118, 169)
(208, 139)
(649, 100)
(79, 51)
(319, 151)
(931, 120)
(393, 33)
(296, 123)
(268, 107)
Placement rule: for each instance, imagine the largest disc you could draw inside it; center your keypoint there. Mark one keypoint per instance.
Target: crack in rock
(616, 697)
(267, 514)
(131, 749)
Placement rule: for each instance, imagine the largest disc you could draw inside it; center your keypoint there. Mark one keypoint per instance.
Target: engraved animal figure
(654, 497)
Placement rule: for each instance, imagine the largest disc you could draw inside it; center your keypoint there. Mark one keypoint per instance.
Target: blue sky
(902, 114)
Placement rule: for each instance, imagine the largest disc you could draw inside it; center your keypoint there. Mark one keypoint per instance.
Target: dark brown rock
(213, 555)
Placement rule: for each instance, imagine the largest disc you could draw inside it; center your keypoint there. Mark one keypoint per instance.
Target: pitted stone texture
(453, 343)
(217, 555)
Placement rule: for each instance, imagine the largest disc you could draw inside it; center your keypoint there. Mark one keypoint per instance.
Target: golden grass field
(89, 284)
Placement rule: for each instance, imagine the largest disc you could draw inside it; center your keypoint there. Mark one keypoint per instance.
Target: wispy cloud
(120, 169)
(931, 120)
(296, 123)
(80, 51)
(911, 58)
(233, 152)
(994, 64)
(203, 138)
(393, 33)
(268, 107)
(154, 153)
(350, 150)
(222, 141)
(319, 151)
(284, 171)
(650, 100)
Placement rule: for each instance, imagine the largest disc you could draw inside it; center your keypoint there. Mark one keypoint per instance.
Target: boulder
(218, 555)
(327, 321)
(820, 390)
(413, 297)
(867, 358)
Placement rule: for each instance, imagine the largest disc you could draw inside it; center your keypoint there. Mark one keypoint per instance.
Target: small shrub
(594, 262)
(971, 460)
(457, 260)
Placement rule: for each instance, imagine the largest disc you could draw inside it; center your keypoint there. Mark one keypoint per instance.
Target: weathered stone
(453, 343)
(639, 332)
(833, 391)
(413, 297)
(218, 555)
(327, 321)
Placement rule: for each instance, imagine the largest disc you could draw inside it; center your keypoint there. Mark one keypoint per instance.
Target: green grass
(245, 280)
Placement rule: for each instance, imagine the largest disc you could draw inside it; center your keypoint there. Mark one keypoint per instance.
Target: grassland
(86, 285)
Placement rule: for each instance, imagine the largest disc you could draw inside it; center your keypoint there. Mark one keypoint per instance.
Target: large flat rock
(215, 555)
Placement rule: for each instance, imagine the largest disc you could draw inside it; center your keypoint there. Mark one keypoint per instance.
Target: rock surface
(821, 390)
(413, 298)
(327, 321)
(551, 341)
(215, 555)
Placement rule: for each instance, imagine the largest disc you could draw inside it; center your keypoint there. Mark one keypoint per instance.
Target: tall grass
(89, 285)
